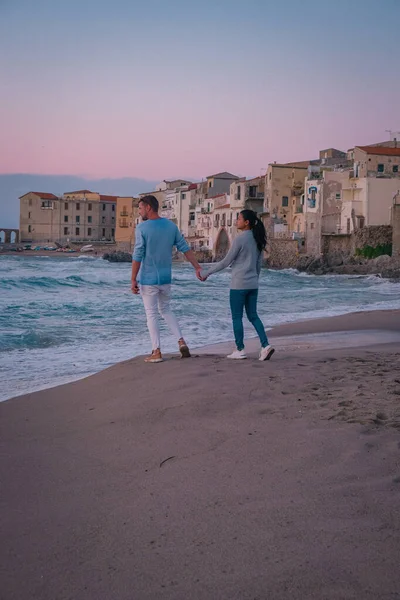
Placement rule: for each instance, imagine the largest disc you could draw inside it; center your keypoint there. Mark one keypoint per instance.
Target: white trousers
(156, 300)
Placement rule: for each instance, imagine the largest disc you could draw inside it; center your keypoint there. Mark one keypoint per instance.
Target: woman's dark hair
(257, 227)
(150, 201)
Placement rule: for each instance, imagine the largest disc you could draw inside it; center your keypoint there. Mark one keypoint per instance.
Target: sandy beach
(208, 479)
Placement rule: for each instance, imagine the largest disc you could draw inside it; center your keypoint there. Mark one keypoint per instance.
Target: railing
(124, 213)
(257, 196)
(123, 223)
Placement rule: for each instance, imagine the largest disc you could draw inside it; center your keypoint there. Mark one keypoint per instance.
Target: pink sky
(118, 103)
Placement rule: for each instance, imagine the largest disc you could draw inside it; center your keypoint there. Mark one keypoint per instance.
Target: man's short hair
(150, 201)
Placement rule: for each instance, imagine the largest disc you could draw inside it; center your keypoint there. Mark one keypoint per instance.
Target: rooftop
(45, 195)
(42, 195)
(79, 192)
(223, 175)
(380, 150)
(105, 198)
(216, 196)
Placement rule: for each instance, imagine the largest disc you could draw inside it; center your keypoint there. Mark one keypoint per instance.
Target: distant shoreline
(52, 253)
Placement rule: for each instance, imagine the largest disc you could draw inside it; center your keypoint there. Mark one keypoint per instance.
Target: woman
(245, 257)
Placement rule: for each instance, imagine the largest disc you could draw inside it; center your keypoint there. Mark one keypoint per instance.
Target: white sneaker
(237, 355)
(266, 353)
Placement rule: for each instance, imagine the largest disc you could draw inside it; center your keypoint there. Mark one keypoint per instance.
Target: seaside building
(204, 198)
(283, 190)
(79, 216)
(248, 193)
(167, 193)
(127, 219)
(355, 194)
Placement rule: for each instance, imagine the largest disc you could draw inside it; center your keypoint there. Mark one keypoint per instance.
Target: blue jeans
(247, 299)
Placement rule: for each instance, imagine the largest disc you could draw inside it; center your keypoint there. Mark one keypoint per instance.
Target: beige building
(376, 161)
(79, 216)
(248, 193)
(39, 221)
(341, 201)
(127, 219)
(284, 187)
(223, 228)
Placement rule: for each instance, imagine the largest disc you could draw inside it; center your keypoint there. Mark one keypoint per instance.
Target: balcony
(124, 213)
(123, 223)
(254, 196)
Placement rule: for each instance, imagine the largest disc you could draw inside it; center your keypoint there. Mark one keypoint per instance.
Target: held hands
(199, 275)
(135, 287)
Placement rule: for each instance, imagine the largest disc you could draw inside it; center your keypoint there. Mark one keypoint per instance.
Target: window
(103, 220)
(89, 206)
(312, 225)
(29, 228)
(338, 195)
(381, 168)
(77, 219)
(29, 215)
(238, 192)
(113, 207)
(66, 219)
(285, 201)
(65, 230)
(104, 207)
(89, 231)
(104, 233)
(65, 205)
(237, 216)
(89, 219)
(270, 175)
(395, 168)
(252, 191)
(210, 184)
(30, 201)
(112, 232)
(76, 230)
(47, 204)
(78, 206)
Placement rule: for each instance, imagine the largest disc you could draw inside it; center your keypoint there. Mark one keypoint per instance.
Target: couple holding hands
(152, 266)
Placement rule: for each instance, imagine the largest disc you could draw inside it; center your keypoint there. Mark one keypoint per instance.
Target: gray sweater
(245, 259)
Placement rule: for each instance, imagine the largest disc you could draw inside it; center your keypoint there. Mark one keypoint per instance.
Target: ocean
(64, 318)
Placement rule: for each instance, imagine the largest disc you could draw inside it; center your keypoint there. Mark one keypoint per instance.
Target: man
(152, 256)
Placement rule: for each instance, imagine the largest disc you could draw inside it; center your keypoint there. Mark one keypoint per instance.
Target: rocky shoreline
(384, 266)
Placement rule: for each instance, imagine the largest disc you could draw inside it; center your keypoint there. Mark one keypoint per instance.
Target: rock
(334, 260)
(304, 262)
(316, 266)
(118, 256)
(384, 259)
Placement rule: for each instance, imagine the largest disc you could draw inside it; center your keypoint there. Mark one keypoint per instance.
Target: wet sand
(209, 479)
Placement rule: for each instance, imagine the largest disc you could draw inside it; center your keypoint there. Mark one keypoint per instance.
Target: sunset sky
(165, 88)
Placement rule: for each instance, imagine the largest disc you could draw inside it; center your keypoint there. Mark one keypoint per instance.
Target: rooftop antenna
(394, 135)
